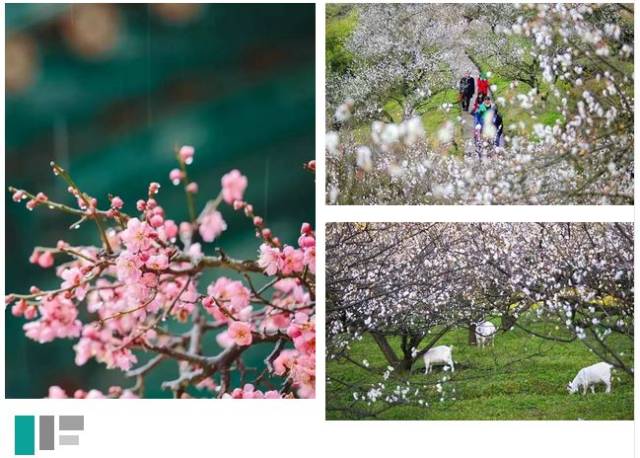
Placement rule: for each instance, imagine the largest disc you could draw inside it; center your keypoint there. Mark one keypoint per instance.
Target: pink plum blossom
(192, 187)
(270, 259)
(73, 278)
(230, 293)
(136, 236)
(55, 392)
(240, 333)
(292, 260)
(117, 203)
(158, 262)
(211, 226)
(233, 186)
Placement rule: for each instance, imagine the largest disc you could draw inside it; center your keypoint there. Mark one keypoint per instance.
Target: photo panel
(164, 154)
(465, 103)
(480, 321)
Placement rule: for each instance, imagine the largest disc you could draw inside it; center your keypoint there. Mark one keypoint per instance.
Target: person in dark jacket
(497, 122)
(467, 88)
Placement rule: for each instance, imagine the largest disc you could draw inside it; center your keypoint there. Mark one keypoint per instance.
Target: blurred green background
(108, 91)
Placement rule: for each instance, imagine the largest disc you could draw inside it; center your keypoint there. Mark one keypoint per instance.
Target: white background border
(165, 428)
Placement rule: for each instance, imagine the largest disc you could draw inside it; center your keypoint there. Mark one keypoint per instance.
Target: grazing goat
(590, 376)
(438, 355)
(485, 333)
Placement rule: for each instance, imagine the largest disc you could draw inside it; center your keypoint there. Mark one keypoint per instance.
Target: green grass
(341, 21)
(495, 383)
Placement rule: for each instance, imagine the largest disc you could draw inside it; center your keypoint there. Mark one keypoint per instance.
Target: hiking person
(466, 87)
(484, 108)
(488, 109)
(478, 125)
(483, 84)
(487, 117)
(497, 123)
(478, 101)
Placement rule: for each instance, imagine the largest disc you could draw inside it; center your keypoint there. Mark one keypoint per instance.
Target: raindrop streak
(266, 187)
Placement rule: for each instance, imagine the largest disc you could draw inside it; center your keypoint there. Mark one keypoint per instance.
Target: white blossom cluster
(578, 62)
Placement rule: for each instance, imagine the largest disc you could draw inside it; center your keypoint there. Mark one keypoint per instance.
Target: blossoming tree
(121, 298)
(400, 52)
(416, 282)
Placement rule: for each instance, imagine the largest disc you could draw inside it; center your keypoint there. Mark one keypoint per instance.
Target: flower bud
(186, 154)
(31, 312)
(192, 187)
(153, 188)
(156, 221)
(175, 176)
(19, 195)
(117, 203)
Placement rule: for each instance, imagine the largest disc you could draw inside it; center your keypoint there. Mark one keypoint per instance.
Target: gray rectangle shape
(46, 432)
(69, 440)
(71, 423)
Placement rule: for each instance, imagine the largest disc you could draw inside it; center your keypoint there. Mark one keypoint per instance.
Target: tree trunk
(472, 334)
(386, 349)
(406, 363)
(508, 322)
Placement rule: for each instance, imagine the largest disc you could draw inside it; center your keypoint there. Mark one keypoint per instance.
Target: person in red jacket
(483, 84)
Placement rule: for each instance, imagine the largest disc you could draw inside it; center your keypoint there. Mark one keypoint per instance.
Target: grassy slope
(341, 21)
(531, 389)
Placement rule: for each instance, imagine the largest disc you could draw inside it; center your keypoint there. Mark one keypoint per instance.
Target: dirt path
(467, 134)
(461, 63)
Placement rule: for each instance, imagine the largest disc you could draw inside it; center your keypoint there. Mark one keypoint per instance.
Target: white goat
(485, 333)
(438, 355)
(589, 376)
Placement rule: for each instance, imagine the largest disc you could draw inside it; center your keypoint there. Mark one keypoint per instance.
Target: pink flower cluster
(44, 258)
(249, 392)
(148, 270)
(39, 199)
(301, 363)
(58, 320)
(55, 392)
(290, 260)
(105, 347)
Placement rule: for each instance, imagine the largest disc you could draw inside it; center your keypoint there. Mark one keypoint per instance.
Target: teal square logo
(25, 430)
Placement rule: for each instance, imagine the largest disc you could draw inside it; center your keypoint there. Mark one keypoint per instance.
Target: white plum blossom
(405, 54)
